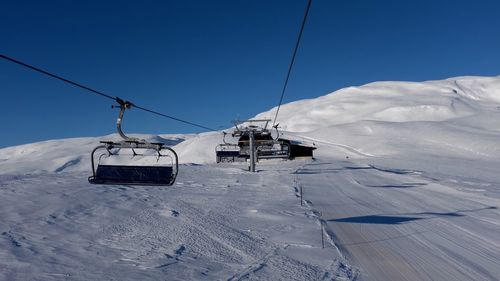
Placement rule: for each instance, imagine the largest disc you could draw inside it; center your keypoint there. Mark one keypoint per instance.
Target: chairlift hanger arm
(224, 139)
(277, 132)
(123, 106)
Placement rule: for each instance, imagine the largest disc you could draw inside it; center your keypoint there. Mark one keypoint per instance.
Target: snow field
(230, 226)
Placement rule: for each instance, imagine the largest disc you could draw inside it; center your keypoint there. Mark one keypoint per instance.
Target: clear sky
(213, 61)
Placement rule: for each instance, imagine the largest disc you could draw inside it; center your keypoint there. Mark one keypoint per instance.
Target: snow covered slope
(453, 116)
(450, 117)
(405, 172)
(432, 101)
(457, 116)
(68, 155)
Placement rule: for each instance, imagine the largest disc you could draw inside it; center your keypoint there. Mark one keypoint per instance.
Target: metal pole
(301, 200)
(123, 105)
(322, 238)
(252, 151)
(322, 229)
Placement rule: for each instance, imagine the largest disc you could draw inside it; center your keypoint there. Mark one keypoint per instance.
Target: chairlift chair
(157, 174)
(267, 147)
(228, 152)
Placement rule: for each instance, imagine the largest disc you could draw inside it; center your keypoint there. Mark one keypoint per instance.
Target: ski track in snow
(397, 225)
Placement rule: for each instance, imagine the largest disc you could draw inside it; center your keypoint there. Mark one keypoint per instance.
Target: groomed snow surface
(405, 186)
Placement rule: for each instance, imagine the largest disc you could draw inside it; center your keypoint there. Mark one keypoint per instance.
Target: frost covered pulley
(133, 161)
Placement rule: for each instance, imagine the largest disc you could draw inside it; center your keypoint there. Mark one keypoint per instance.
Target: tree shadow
(317, 171)
(400, 185)
(329, 170)
(394, 171)
(357, 168)
(406, 217)
(454, 214)
(377, 219)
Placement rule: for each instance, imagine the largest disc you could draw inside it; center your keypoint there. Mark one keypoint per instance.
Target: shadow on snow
(404, 218)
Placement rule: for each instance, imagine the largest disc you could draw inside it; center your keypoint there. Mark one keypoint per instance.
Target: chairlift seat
(272, 154)
(228, 153)
(133, 175)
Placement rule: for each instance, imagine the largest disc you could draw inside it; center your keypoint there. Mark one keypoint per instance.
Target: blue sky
(210, 62)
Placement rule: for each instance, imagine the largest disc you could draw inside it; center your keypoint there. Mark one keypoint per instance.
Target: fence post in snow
(322, 238)
(322, 230)
(252, 152)
(301, 200)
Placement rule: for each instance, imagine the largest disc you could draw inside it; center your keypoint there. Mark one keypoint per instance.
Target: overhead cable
(100, 93)
(293, 60)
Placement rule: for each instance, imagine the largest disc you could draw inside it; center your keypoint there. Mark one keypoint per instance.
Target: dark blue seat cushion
(228, 153)
(133, 175)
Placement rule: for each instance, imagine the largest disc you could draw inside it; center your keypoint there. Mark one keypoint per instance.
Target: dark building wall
(297, 150)
(301, 151)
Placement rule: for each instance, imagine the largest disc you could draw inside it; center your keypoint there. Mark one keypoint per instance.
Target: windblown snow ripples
(67, 228)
